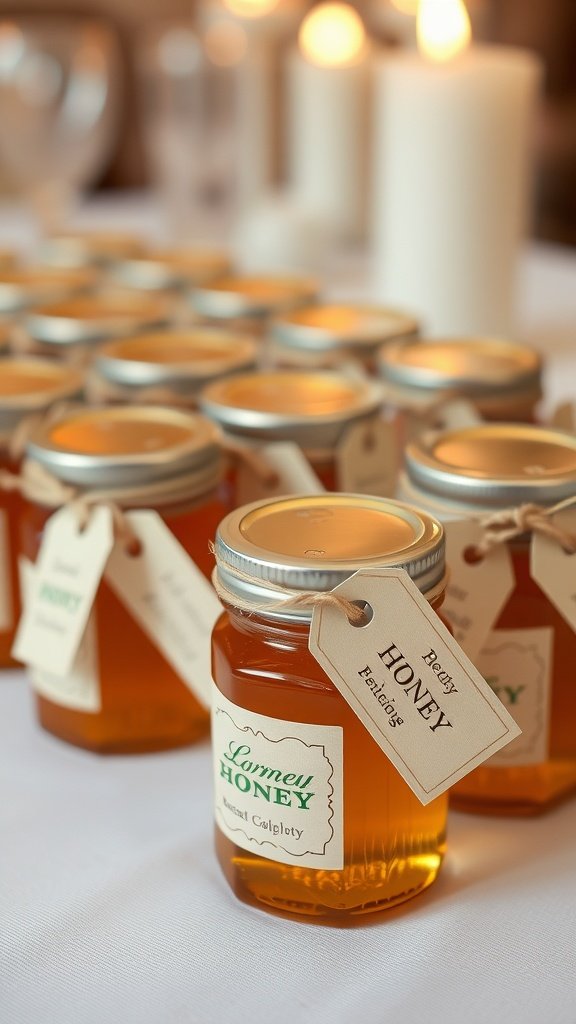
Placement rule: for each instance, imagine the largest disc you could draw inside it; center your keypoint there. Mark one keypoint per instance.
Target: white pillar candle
(451, 181)
(327, 93)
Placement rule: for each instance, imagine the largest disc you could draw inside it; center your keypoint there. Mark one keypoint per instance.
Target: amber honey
(498, 467)
(248, 303)
(392, 846)
(313, 410)
(24, 287)
(141, 457)
(28, 387)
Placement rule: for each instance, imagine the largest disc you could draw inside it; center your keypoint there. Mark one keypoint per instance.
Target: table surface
(113, 909)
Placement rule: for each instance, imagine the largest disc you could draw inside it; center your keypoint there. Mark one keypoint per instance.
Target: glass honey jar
(90, 248)
(123, 695)
(298, 829)
(528, 656)
(500, 379)
(28, 387)
(329, 335)
(168, 366)
(21, 288)
(248, 303)
(313, 410)
(73, 328)
(172, 269)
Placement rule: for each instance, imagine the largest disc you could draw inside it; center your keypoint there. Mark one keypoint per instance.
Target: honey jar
(28, 387)
(249, 303)
(72, 328)
(314, 410)
(172, 269)
(168, 366)
(311, 816)
(90, 248)
(501, 379)
(24, 287)
(125, 695)
(328, 335)
(529, 654)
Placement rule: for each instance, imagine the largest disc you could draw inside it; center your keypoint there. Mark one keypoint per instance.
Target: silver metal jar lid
(258, 297)
(315, 542)
(472, 366)
(182, 360)
(125, 446)
(30, 385)
(495, 465)
(310, 408)
(90, 319)
(24, 287)
(172, 268)
(326, 327)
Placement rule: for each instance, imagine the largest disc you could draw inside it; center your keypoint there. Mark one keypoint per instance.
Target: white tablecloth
(113, 909)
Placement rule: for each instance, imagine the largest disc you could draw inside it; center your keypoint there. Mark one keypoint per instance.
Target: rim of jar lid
(243, 539)
(25, 286)
(198, 449)
(484, 365)
(62, 382)
(172, 268)
(375, 325)
(118, 363)
(253, 295)
(317, 429)
(69, 322)
(495, 464)
(81, 249)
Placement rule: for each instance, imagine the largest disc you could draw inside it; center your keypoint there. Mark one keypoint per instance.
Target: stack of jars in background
(177, 377)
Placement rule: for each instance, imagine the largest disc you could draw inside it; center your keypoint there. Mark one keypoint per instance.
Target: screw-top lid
(125, 446)
(495, 465)
(180, 360)
(315, 542)
(472, 366)
(353, 328)
(32, 385)
(99, 317)
(259, 297)
(90, 248)
(172, 268)
(312, 409)
(23, 287)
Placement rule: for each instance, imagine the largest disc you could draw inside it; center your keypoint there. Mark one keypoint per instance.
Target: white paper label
(170, 599)
(414, 689)
(457, 414)
(66, 577)
(516, 664)
(278, 786)
(564, 417)
(367, 459)
(476, 591)
(6, 608)
(80, 689)
(554, 570)
(293, 472)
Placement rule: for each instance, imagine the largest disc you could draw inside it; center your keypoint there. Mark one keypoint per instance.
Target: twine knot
(500, 527)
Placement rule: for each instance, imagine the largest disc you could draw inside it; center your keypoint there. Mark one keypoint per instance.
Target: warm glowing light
(406, 6)
(225, 43)
(332, 35)
(251, 8)
(443, 28)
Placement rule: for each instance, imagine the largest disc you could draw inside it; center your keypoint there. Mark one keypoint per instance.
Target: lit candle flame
(443, 28)
(251, 8)
(332, 35)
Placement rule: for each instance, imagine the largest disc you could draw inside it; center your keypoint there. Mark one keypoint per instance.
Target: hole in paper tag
(409, 682)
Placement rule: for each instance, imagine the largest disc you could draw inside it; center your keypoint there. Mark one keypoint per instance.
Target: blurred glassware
(59, 107)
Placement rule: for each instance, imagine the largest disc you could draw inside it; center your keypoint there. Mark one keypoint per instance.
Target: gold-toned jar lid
(315, 542)
(259, 297)
(472, 366)
(180, 360)
(32, 385)
(495, 464)
(330, 326)
(23, 287)
(310, 408)
(98, 317)
(90, 248)
(172, 268)
(126, 446)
